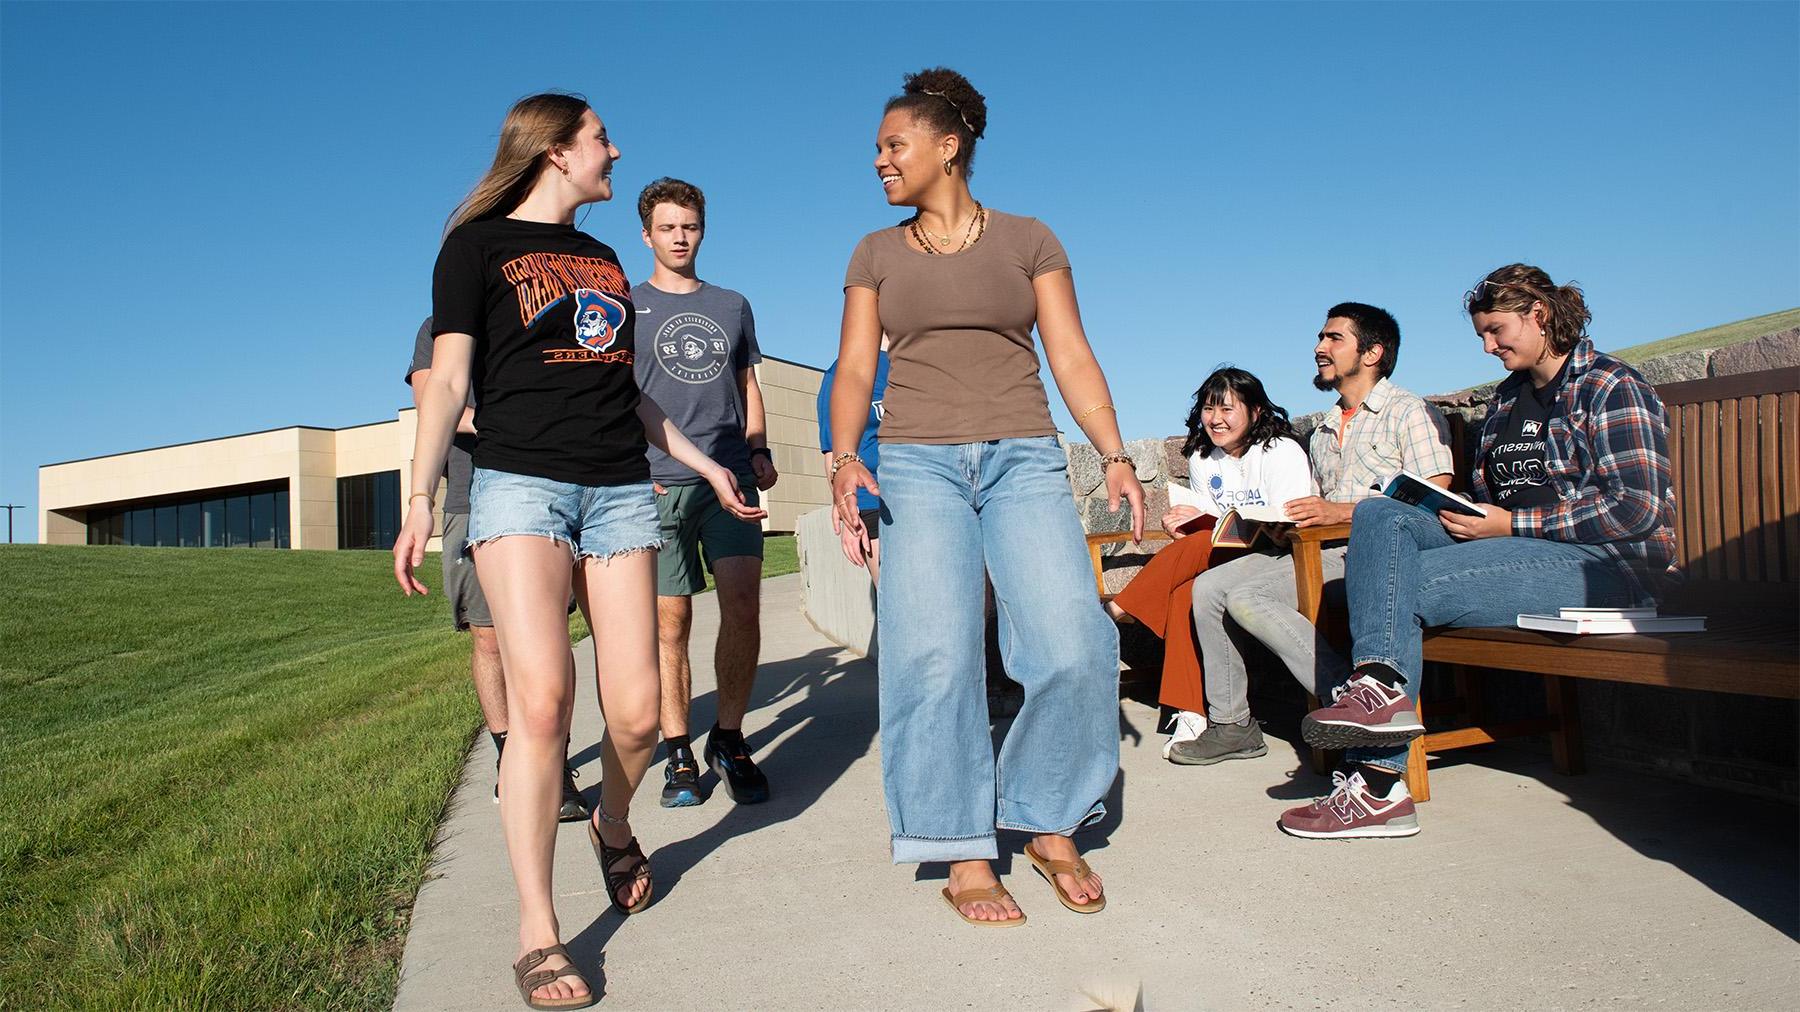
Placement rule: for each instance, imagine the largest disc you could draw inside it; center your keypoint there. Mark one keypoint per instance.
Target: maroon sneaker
(1350, 812)
(1364, 712)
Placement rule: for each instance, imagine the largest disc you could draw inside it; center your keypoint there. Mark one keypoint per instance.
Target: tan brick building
(308, 487)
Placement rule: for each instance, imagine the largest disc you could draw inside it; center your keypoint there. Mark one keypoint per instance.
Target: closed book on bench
(1585, 626)
(1606, 612)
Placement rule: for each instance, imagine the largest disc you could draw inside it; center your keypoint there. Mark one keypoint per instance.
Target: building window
(369, 510)
(244, 517)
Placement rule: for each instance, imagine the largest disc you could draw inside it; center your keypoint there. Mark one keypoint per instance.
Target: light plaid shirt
(1393, 431)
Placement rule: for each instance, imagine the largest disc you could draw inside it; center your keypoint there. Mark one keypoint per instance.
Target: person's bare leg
(623, 589)
(674, 623)
(738, 581)
(526, 582)
(489, 676)
(1052, 847)
(874, 559)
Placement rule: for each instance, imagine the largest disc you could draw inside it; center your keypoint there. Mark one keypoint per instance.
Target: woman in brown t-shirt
(973, 478)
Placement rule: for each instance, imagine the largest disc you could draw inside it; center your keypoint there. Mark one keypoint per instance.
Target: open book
(1583, 621)
(1413, 490)
(1238, 528)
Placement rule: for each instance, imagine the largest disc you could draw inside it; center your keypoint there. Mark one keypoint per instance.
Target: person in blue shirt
(869, 450)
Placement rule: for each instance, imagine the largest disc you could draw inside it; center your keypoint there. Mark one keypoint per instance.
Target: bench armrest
(1097, 541)
(1309, 571)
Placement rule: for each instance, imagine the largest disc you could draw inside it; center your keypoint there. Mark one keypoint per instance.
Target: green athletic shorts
(693, 521)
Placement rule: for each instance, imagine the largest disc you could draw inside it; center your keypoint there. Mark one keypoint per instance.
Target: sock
(1382, 673)
(499, 744)
(1380, 779)
(679, 743)
(720, 737)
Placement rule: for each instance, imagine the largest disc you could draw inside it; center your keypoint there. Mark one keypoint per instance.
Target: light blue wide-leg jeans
(1404, 572)
(951, 512)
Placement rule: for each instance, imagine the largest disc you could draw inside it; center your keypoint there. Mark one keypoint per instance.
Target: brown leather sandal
(1077, 868)
(530, 978)
(993, 893)
(616, 880)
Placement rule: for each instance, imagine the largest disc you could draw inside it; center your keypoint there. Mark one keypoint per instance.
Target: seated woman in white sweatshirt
(1242, 453)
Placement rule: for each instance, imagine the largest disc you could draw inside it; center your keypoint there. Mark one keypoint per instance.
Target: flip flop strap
(993, 893)
(1077, 868)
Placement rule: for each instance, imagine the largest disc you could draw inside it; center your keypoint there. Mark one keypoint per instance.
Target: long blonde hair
(533, 127)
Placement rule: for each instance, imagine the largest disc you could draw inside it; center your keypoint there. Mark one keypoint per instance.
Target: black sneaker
(730, 759)
(573, 808)
(681, 781)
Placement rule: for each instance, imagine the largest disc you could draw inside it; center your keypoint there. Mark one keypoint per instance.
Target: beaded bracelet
(1118, 456)
(838, 462)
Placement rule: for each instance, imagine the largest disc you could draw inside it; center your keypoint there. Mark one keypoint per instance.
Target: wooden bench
(1734, 446)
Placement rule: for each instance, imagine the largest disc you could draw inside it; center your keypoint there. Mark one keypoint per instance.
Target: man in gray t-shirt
(468, 608)
(696, 358)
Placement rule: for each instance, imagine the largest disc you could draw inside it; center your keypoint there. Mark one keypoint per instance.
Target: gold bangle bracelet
(1098, 407)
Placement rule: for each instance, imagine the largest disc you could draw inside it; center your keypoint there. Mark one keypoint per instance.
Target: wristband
(765, 451)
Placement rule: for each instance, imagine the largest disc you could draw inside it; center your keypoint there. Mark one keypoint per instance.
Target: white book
(1588, 626)
(1615, 613)
(1181, 495)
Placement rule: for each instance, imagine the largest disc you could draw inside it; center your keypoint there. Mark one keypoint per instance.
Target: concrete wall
(790, 398)
(839, 598)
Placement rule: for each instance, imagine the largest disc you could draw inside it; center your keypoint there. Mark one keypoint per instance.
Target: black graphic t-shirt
(1515, 466)
(551, 314)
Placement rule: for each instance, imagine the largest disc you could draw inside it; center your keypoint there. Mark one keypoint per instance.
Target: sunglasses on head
(1488, 289)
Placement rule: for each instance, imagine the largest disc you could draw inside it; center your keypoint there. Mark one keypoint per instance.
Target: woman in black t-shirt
(536, 317)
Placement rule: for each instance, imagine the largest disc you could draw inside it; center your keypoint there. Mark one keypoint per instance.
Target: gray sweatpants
(1252, 598)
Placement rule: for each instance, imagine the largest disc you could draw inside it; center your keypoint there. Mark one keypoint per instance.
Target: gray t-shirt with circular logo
(690, 350)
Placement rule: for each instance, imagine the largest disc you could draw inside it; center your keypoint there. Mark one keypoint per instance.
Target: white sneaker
(1187, 727)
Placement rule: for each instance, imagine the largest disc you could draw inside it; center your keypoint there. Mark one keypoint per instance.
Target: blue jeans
(1404, 573)
(951, 512)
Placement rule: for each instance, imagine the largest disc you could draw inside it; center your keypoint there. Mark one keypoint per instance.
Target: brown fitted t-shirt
(962, 367)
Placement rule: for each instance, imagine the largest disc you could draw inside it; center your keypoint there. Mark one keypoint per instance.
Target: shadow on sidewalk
(832, 717)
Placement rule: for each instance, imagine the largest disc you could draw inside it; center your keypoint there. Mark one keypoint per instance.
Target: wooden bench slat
(1750, 482)
(1731, 512)
(1711, 527)
(1790, 483)
(1691, 543)
(1724, 667)
(1769, 430)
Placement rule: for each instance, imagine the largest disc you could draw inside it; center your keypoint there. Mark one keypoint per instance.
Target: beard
(1321, 383)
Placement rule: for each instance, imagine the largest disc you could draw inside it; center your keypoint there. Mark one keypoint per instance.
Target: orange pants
(1161, 596)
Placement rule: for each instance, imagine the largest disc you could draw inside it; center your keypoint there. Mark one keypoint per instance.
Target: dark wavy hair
(1271, 419)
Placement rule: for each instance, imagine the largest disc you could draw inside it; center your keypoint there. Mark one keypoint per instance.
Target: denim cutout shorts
(596, 522)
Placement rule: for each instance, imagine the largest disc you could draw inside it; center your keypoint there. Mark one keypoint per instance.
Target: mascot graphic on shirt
(598, 317)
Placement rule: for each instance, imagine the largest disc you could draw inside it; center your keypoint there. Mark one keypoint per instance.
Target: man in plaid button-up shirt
(1375, 430)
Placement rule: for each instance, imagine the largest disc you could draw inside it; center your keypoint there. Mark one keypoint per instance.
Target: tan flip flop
(1077, 868)
(993, 893)
(530, 978)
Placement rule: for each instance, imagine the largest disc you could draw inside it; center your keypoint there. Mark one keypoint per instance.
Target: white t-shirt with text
(1268, 474)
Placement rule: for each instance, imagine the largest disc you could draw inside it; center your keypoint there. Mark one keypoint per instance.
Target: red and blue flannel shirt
(1607, 450)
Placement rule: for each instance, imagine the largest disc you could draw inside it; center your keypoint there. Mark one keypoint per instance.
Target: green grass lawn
(222, 773)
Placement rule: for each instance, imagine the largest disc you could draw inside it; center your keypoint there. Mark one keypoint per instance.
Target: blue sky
(216, 219)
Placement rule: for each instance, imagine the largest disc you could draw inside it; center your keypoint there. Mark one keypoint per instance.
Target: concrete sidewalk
(1525, 890)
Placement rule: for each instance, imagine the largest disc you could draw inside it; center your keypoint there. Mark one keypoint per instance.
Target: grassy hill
(1712, 337)
(223, 773)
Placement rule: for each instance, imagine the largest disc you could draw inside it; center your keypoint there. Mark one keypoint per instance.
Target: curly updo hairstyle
(945, 101)
(1515, 288)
